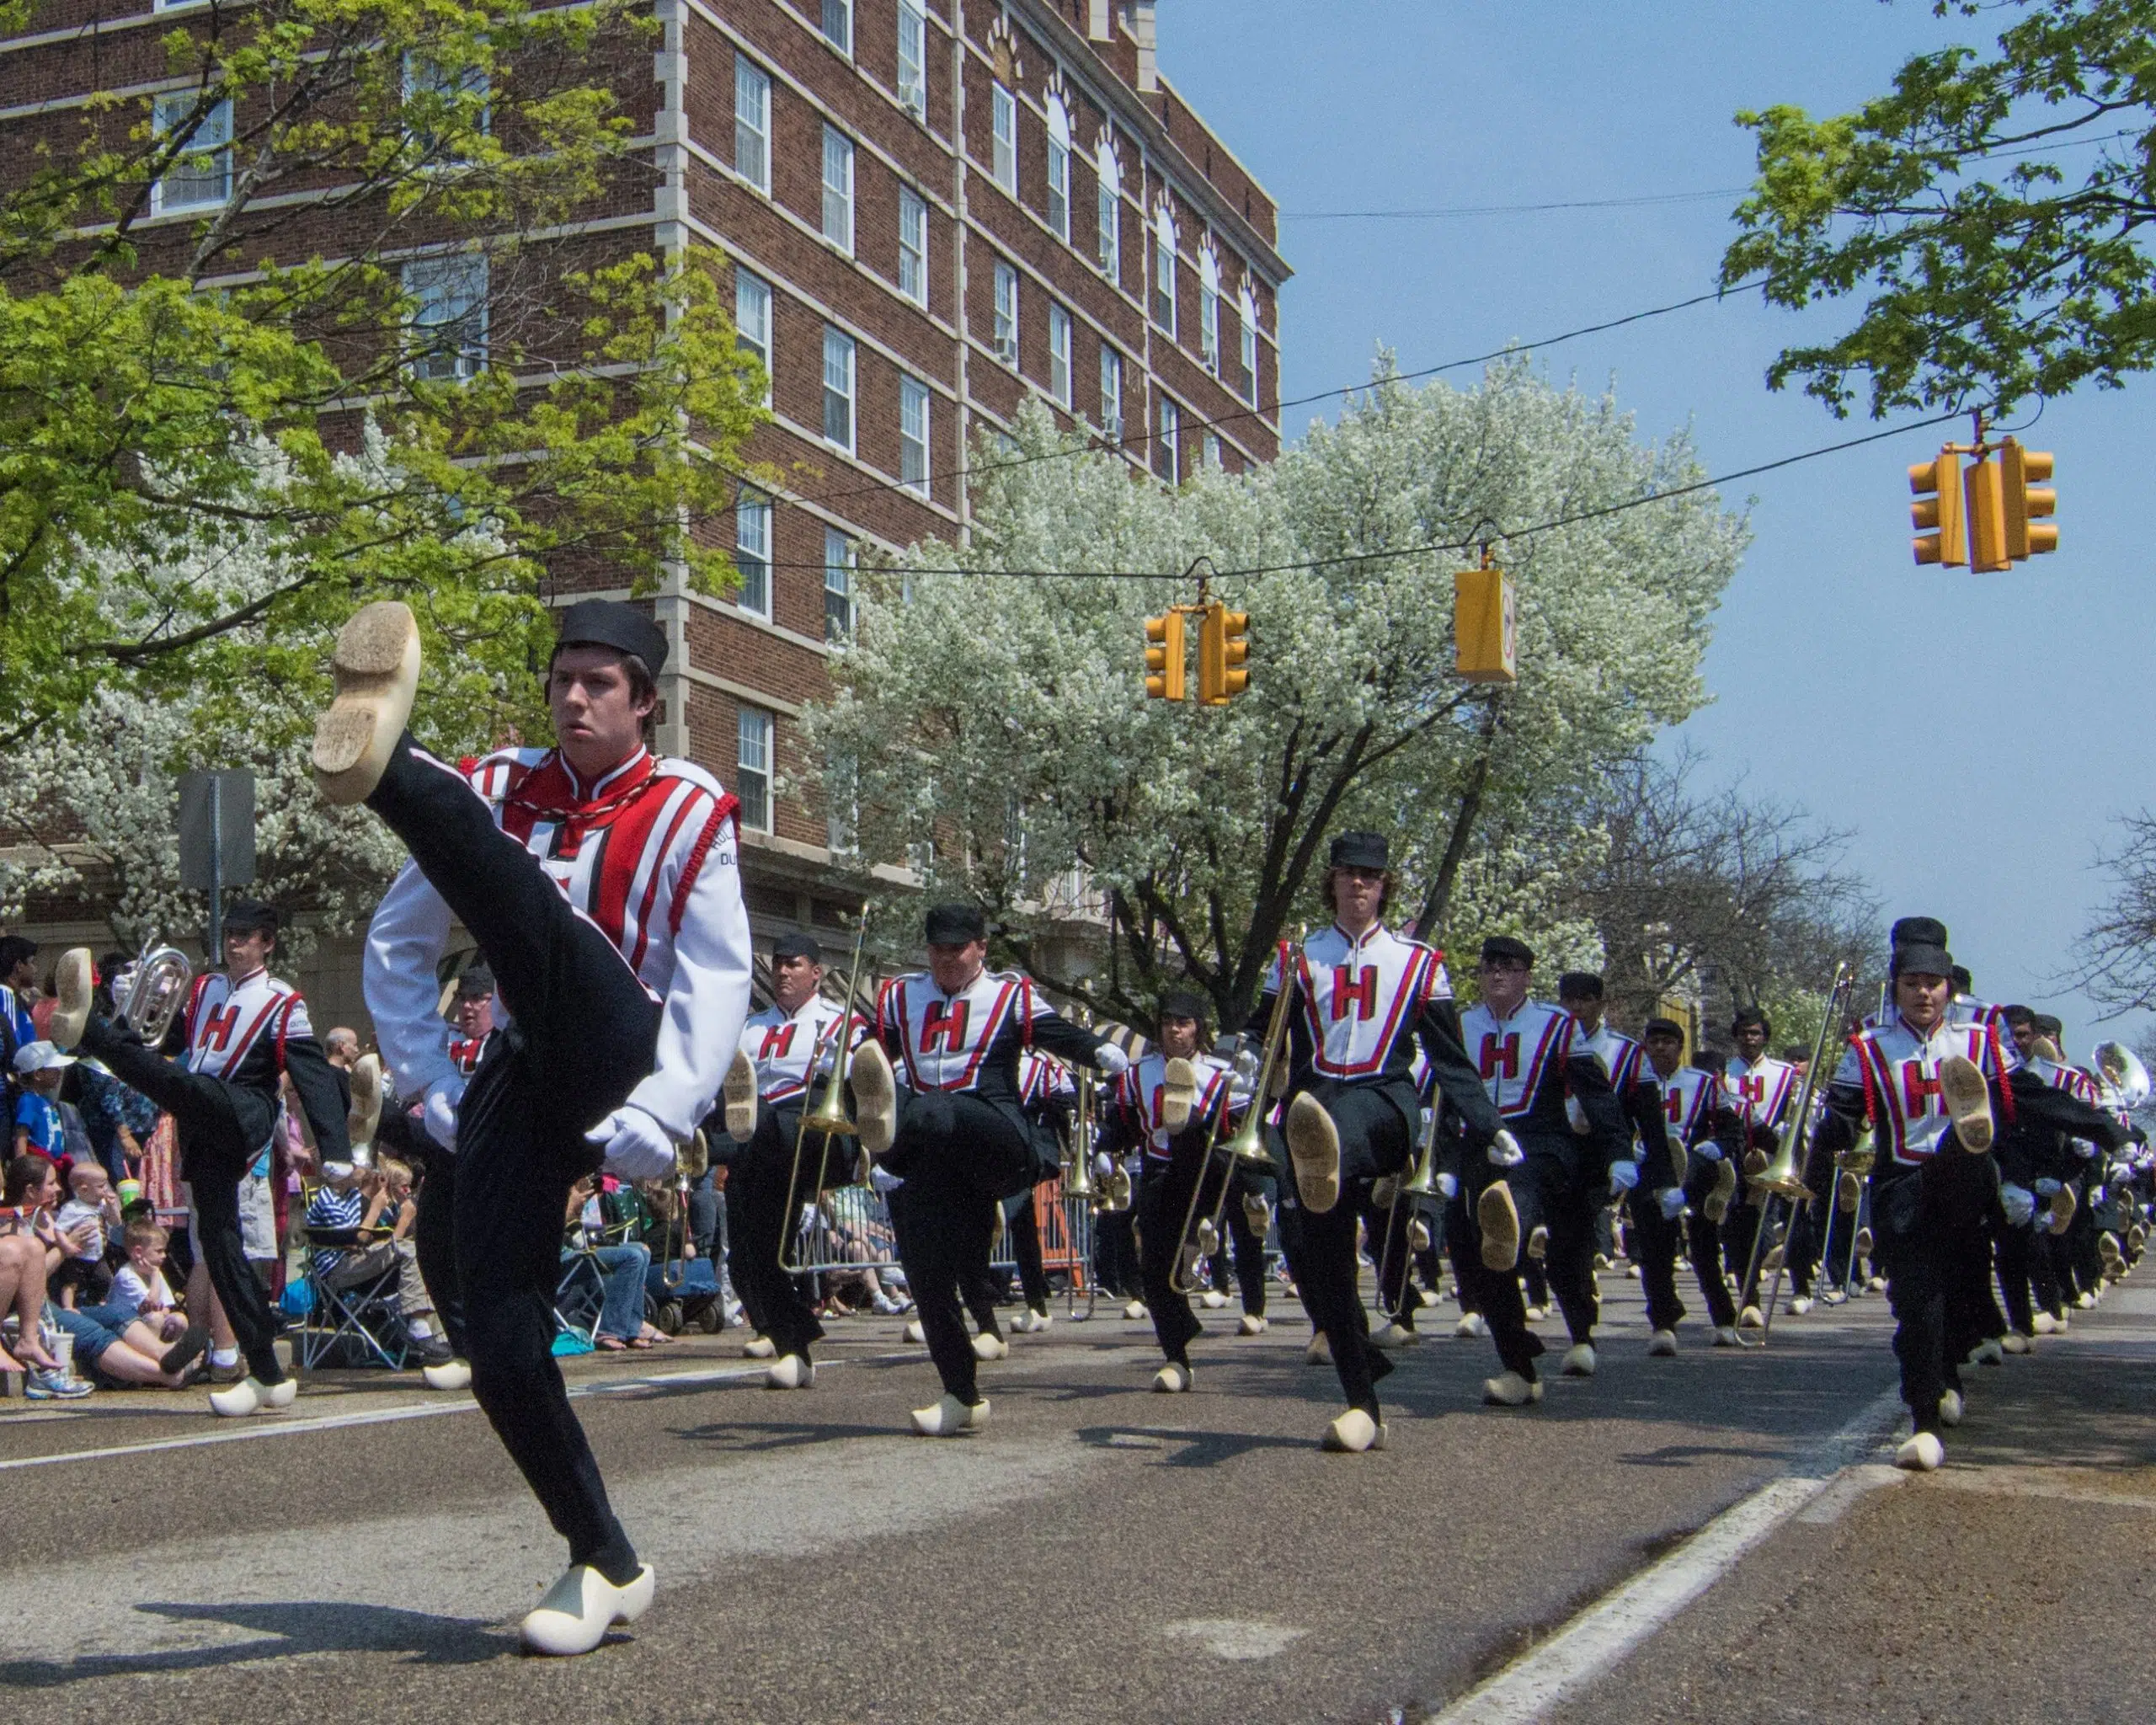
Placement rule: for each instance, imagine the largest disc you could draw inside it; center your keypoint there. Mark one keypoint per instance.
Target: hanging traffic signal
(1937, 487)
(1223, 647)
(1164, 672)
(1984, 490)
(1485, 624)
(2025, 536)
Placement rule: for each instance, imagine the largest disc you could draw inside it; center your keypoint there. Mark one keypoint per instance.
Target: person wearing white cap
(39, 1067)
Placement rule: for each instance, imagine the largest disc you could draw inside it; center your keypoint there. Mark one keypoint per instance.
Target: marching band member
(1654, 1188)
(1048, 1095)
(602, 884)
(244, 1033)
(1169, 1105)
(1761, 1087)
(1704, 1132)
(1935, 1091)
(956, 1135)
(783, 1049)
(1362, 998)
(1544, 1196)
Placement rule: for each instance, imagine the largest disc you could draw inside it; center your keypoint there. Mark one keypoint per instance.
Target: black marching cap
(1507, 945)
(1579, 986)
(1359, 850)
(475, 983)
(797, 946)
(1917, 932)
(1663, 1026)
(249, 916)
(1184, 1003)
(1926, 961)
(608, 622)
(954, 924)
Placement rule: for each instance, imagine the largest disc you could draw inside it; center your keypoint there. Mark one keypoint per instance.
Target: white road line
(276, 1428)
(1604, 1634)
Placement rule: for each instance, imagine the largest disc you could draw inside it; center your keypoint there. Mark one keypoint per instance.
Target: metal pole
(216, 953)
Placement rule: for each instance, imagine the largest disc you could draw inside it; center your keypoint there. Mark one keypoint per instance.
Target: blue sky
(1977, 732)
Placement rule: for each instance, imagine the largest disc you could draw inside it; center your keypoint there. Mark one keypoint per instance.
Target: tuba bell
(2122, 1070)
(157, 989)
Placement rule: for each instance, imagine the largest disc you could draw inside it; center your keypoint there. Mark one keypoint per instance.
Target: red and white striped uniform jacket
(1761, 1093)
(1898, 1071)
(648, 853)
(1691, 1096)
(1140, 1092)
(255, 1032)
(780, 1044)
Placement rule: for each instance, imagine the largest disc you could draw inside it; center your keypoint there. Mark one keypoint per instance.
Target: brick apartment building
(935, 208)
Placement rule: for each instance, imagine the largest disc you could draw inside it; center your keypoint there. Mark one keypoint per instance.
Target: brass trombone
(1200, 1236)
(689, 1168)
(1420, 1181)
(1783, 1177)
(831, 1118)
(1079, 1193)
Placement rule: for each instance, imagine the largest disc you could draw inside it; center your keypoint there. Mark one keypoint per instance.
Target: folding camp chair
(360, 1323)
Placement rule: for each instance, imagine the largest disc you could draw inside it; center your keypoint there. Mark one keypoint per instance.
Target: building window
(913, 435)
(1108, 218)
(752, 554)
(1209, 312)
(1111, 395)
(753, 767)
(842, 804)
(752, 123)
(1058, 170)
(1247, 312)
(1007, 313)
(913, 58)
(201, 177)
(1164, 271)
(439, 95)
(1213, 449)
(1167, 436)
(1005, 119)
(1059, 354)
(913, 245)
(838, 189)
(838, 25)
(838, 585)
(838, 388)
(448, 333)
(752, 320)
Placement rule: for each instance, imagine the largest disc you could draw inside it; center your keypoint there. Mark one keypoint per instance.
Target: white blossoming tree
(992, 724)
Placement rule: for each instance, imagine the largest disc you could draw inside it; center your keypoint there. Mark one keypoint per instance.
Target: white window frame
(913, 58)
(913, 420)
(1160, 291)
(1003, 124)
(1059, 354)
(1167, 438)
(1111, 395)
(752, 319)
(756, 747)
(752, 123)
(752, 554)
(1208, 310)
(1007, 313)
(451, 279)
(422, 77)
(1213, 449)
(837, 23)
(211, 139)
(1246, 311)
(838, 191)
(1108, 212)
(840, 386)
(1058, 170)
(913, 245)
(841, 556)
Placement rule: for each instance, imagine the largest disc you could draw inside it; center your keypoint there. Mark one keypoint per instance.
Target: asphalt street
(1709, 1535)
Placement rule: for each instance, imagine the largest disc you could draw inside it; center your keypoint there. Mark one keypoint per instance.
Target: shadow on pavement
(283, 1629)
(1187, 1448)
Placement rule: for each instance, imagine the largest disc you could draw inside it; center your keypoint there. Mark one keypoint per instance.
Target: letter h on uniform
(944, 1023)
(1501, 1051)
(1919, 1088)
(1362, 992)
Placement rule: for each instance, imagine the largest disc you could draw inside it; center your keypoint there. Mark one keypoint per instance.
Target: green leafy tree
(380, 248)
(1993, 211)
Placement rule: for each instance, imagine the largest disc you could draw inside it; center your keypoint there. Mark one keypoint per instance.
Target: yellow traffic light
(1164, 672)
(1222, 648)
(1937, 487)
(2026, 502)
(1984, 488)
(1485, 625)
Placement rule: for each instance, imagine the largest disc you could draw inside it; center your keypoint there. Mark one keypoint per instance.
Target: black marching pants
(583, 1035)
(1704, 1241)
(1248, 1244)
(1654, 1240)
(1023, 1227)
(1162, 1198)
(1374, 1141)
(957, 1156)
(1927, 1221)
(762, 1225)
(433, 1241)
(222, 1128)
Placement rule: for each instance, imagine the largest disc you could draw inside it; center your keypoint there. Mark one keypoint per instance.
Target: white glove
(1505, 1152)
(1671, 1200)
(2047, 1187)
(1709, 1149)
(1112, 1059)
(1447, 1186)
(439, 1115)
(883, 1180)
(2086, 1148)
(637, 1147)
(1623, 1176)
(2096, 1196)
(2019, 1204)
(1241, 1087)
(1575, 1116)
